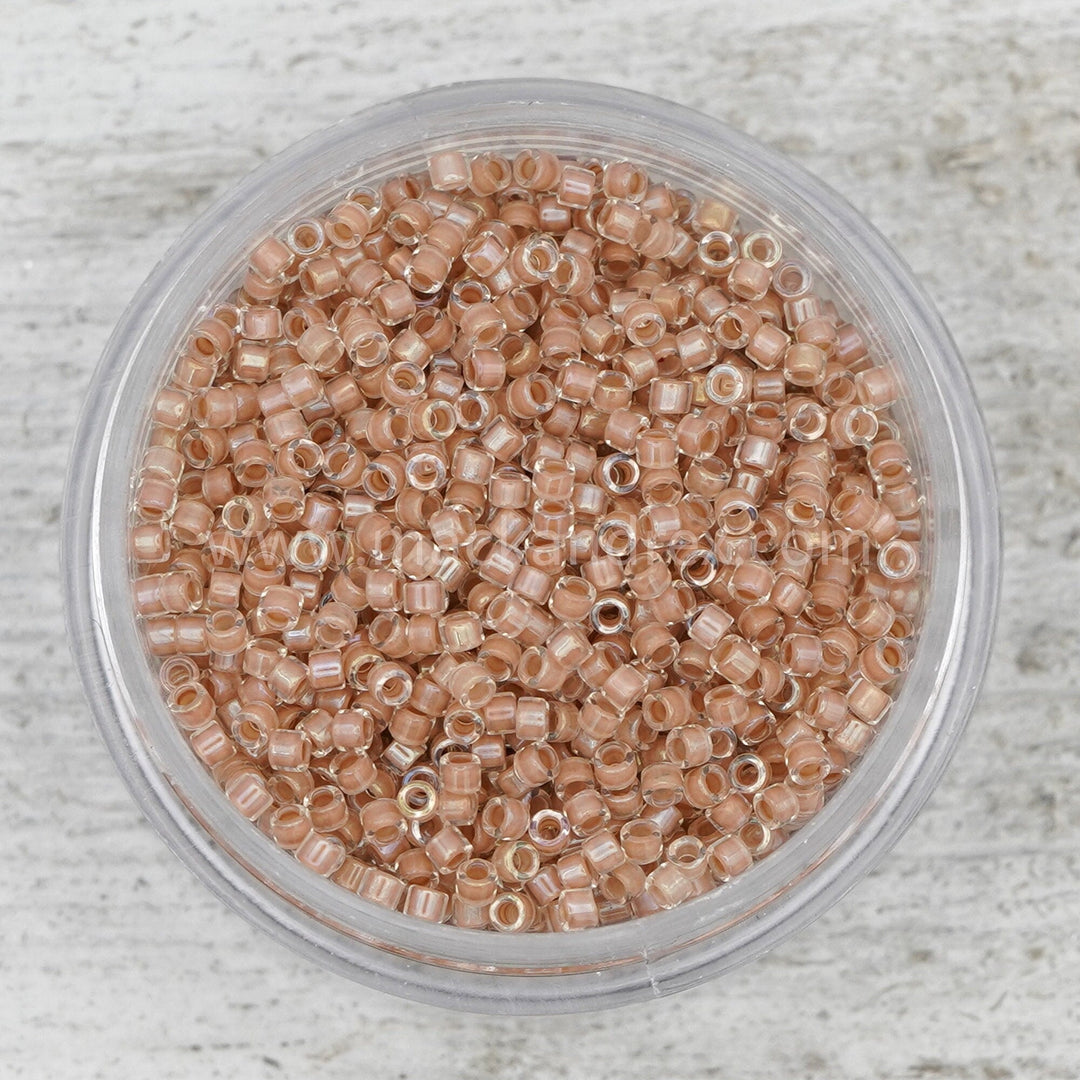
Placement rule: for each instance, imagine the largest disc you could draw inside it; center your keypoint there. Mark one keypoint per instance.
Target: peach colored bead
(668, 886)
(323, 854)
(728, 857)
(173, 592)
(325, 670)
(536, 170)
(642, 840)
(788, 595)
(504, 818)
(688, 853)
(654, 646)
(288, 750)
(615, 766)
(807, 761)
(535, 764)
(191, 706)
(471, 684)
(499, 715)
(476, 881)
(826, 708)
(706, 785)
(870, 617)
(449, 170)
(688, 746)
(776, 805)
(852, 737)
(353, 771)
(768, 346)
(867, 701)
(599, 718)
(327, 808)
(731, 813)
(289, 826)
(577, 909)
(667, 708)
(448, 849)
(800, 655)
(381, 887)
(670, 396)
(460, 772)
(586, 812)
(278, 609)
(575, 186)
(804, 364)
(735, 659)
(625, 686)
(661, 784)
(289, 679)
(424, 902)
(883, 661)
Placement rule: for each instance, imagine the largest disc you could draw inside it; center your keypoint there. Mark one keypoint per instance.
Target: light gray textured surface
(954, 127)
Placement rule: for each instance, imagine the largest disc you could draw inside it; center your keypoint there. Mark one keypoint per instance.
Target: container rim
(611, 965)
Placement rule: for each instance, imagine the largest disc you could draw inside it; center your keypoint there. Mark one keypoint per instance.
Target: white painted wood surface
(955, 127)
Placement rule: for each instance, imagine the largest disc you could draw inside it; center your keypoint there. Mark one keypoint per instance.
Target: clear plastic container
(645, 957)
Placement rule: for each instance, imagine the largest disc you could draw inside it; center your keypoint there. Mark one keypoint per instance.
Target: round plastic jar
(611, 965)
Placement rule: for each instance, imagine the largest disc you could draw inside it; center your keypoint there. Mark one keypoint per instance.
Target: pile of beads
(526, 546)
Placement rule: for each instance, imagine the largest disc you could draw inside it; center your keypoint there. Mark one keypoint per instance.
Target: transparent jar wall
(615, 964)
